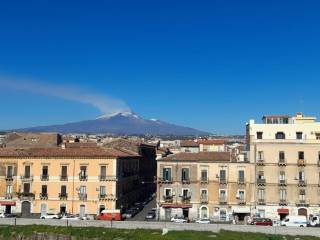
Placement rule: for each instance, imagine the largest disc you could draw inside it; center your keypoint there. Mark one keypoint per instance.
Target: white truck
(315, 221)
(295, 221)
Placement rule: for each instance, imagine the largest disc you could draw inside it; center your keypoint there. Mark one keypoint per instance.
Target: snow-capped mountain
(122, 123)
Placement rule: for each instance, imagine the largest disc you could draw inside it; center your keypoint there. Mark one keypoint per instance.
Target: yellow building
(83, 180)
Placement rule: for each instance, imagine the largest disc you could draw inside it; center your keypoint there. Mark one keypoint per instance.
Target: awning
(283, 211)
(176, 205)
(7, 203)
(242, 210)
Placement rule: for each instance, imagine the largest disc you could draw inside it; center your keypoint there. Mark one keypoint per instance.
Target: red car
(262, 222)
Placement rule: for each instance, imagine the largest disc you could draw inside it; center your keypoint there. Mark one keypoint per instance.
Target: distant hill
(124, 123)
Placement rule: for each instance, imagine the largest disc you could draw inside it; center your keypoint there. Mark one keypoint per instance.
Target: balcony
(301, 163)
(26, 178)
(25, 196)
(261, 181)
(63, 177)
(222, 181)
(8, 196)
(282, 162)
(302, 183)
(43, 196)
(204, 181)
(82, 196)
(104, 178)
(283, 202)
(167, 180)
(9, 178)
(261, 201)
(204, 199)
(282, 182)
(185, 198)
(241, 201)
(168, 198)
(44, 177)
(83, 177)
(223, 200)
(241, 181)
(185, 181)
(302, 203)
(63, 196)
(260, 162)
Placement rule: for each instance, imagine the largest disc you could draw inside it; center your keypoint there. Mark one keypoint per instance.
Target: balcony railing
(302, 183)
(261, 181)
(282, 182)
(283, 202)
(223, 200)
(26, 178)
(185, 198)
(168, 198)
(282, 162)
(44, 177)
(8, 196)
(9, 178)
(167, 180)
(241, 201)
(43, 196)
(63, 196)
(241, 181)
(204, 180)
(261, 201)
(260, 161)
(204, 199)
(185, 180)
(223, 181)
(63, 177)
(107, 178)
(301, 162)
(83, 177)
(82, 196)
(302, 203)
(25, 195)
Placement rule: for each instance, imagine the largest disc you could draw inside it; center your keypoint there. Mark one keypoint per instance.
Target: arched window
(204, 212)
(280, 135)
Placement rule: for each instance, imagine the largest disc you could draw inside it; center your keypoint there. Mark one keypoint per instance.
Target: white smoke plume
(105, 104)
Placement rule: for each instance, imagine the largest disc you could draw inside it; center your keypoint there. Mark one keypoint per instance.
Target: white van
(295, 221)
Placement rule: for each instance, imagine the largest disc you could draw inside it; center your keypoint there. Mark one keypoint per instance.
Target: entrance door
(82, 210)
(8, 209)
(63, 209)
(185, 212)
(167, 214)
(303, 212)
(43, 209)
(101, 208)
(26, 209)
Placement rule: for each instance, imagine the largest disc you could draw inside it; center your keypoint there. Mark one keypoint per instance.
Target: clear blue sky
(211, 65)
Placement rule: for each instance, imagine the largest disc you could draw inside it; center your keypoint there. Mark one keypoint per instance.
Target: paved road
(141, 215)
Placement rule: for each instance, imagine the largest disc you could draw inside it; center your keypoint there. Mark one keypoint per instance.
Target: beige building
(83, 180)
(204, 185)
(285, 152)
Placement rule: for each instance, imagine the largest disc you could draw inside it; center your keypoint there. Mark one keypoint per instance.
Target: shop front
(7, 206)
(283, 212)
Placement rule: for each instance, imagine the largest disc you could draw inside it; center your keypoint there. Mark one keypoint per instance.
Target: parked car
(203, 221)
(138, 206)
(262, 222)
(70, 217)
(151, 215)
(130, 213)
(295, 221)
(109, 215)
(2, 215)
(178, 220)
(315, 221)
(50, 216)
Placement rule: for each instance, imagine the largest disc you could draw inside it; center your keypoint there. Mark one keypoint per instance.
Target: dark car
(151, 215)
(262, 222)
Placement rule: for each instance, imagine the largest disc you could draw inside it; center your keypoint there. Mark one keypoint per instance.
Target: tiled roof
(67, 152)
(189, 143)
(212, 142)
(201, 156)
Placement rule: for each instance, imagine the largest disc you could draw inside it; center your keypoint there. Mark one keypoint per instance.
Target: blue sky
(211, 65)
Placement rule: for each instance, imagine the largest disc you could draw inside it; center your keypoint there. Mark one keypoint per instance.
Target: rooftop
(189, 143)
(201, 156)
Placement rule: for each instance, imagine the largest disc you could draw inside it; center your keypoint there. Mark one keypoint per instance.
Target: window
(64, 171)
(102, 190)
(282, 176)
(260, 175)
(241, 194)
(318, 136)
(204, 175)
(9, 171)
(26, 188)
(204, 212)
(167, 192)
(299, 135)
(27, 171)
(223, 215)
(103, 171)
(282, 156)
(223, 175)
(259, 135)
(280, 135)
(241, 175)
(185, 193)
(82, 190)
(204, 193)
(302, 195)
(301, 176)
(44, 189)
(185, 174)
(260, 156)
(44, 171)
(63, 190)
(282, 194)
(83, 171)
(261, 194)
(223, 194)
(301, 155)
(9, 189)
(167, 174)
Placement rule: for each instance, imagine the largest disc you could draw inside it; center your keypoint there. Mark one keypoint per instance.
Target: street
(142, 214)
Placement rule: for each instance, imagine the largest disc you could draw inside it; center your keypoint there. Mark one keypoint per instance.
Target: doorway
(101, 208)
(43, 209)
(25, 209)
(8, 209)
(303, 212)
(82, 210)
(167, 214)
(185, 212)
(63, 209)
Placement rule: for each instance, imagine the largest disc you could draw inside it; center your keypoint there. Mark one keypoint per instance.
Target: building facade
(285, 152)
(81, 181)
(204, 185)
